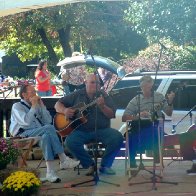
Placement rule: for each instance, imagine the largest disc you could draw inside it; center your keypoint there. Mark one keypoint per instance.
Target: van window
(125, 90)
(126, 84)
(185, 90)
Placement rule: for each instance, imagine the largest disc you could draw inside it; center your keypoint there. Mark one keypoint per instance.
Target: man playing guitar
(95, 124)
(141, 107)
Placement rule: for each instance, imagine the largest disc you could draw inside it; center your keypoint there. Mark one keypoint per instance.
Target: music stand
(95, 178)
(141, 165)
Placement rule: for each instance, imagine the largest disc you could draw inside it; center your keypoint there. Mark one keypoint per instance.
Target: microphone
(163, 46)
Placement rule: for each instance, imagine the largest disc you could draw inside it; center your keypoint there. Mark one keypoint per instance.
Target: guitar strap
(34, 115)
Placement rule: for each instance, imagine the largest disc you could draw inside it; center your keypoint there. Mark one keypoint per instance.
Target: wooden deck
(137, 186)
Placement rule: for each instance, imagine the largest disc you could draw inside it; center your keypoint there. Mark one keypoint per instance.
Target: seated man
(141, 107)
(96, 128)
(30, 118)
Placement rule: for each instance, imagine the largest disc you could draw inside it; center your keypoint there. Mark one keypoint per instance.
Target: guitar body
(65, 126)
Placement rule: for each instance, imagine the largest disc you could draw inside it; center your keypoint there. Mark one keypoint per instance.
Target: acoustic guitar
(65, 126)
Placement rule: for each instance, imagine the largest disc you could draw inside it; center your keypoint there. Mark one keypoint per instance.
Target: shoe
(69, 163)
(192, 171)
(90, 171)
(107, 170)
(51, 177)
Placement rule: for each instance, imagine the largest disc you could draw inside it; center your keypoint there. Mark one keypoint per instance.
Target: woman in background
(42, 76)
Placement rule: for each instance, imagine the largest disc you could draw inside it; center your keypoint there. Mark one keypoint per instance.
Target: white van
(183, 83)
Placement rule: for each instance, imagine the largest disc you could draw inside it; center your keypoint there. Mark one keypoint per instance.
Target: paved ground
(138, 186)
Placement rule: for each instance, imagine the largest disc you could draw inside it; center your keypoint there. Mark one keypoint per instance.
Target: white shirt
(25, 118)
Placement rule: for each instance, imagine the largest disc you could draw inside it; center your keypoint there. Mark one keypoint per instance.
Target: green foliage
(162, 18)
(173, 58)
(96, 25)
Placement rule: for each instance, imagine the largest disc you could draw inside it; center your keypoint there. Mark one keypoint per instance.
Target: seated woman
(30, 118)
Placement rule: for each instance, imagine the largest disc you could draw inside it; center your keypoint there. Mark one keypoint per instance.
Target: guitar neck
(88, 105)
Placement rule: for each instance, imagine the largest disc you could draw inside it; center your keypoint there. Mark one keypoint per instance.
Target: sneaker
(107, 170)
(69, 163)
(192, 171)
(90, 171)
(51, 177)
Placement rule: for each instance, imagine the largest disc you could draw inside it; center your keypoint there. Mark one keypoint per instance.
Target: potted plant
(21, 183)
(8, 152)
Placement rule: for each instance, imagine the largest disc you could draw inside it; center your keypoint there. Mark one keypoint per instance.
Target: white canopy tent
(10, 7)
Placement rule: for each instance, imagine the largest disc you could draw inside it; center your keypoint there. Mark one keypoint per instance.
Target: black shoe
(192, 171)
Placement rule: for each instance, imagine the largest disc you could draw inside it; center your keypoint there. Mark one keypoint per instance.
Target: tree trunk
(52, 55)
(64, 37)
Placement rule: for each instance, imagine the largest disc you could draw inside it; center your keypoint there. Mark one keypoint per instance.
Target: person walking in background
(43, 77)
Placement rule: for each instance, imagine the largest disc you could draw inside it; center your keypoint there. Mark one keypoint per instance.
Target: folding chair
(171, 148)
(25, 146)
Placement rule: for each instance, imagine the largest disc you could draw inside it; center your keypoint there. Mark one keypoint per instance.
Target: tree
(162, 18)
(52, 32)
(174, 57)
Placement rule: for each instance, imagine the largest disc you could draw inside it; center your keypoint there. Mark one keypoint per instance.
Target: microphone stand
(188, 113)
(154, 179)
(96, 178)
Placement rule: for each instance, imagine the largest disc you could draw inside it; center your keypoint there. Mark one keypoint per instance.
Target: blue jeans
(49, 142)
(145, 141)
(110, 138)
(44, 93)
